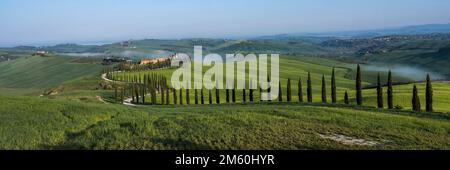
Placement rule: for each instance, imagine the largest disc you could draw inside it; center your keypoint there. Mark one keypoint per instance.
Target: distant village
(143, 61)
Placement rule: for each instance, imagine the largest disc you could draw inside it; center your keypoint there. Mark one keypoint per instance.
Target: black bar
(282, 159)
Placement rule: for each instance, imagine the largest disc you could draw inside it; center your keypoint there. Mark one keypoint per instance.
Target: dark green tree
(181, 96)
(174, 96)
(358, 86)
(244, 95)
(415, 100)
(122, 94)
(346, 98)
(269, 90)
(324, 90)
(217, 96)
(202, 98)
(390, 91)
(288, 93)
(115, 94)
(429, 95)
(153, 95)
(300, 90)
(163, 97)
(379, 92)
(233, 95)
(196, 96)
(309, 88)
(167, 96)
(280, 92)
(227, 91)
(210, 97)
(251, 91)
(188, 97)
(333, 87)
(260, 93)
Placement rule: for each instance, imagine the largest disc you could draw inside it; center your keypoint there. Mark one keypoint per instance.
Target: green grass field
(42, 123)
(36, 74)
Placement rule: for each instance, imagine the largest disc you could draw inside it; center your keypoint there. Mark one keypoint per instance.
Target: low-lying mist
(127, 54)
(411, 72)
(83, 54)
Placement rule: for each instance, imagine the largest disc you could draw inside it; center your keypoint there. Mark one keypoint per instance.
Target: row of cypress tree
(153, 84)
(390, 93)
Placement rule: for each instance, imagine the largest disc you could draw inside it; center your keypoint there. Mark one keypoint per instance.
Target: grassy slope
(58, 124)
(35, 73)
(295, 67)
(75, 119)
(403, 96)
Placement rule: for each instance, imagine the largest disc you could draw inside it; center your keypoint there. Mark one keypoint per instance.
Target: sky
(45, 22)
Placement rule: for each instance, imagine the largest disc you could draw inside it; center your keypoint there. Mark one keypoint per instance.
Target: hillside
(58, 124)
(80, 117)
(36, 73)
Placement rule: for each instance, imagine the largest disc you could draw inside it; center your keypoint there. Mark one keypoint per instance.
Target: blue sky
(83, 21)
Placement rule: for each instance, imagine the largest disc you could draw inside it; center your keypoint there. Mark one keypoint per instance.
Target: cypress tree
(280, 92)
(227, 95)
(333, 87)
(137, 92)
(309, 88)
(269, 89)
(358, 86)
(196, 96)
(379, 92)
(210, 97)
(115, 93)
(174, 96)
(217, 96)
(132, 92)
(163, 97)
(300, 90)
(415, 100)
(167, 96)
(143, 93)
(188, 98)
(260, 93)
(202, 98)
(122, 94)
(233, 95)
(288, 93)
(429, 95)
(251, 92)
(181, 96)
(244, 95)
(390, 95)
(144, 86)
(153, 95)
(324, 90)
(346, 97)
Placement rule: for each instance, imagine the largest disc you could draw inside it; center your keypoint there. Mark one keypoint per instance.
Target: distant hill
(407, 30)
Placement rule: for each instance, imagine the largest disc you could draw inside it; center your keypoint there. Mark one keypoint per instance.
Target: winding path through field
(127, 101)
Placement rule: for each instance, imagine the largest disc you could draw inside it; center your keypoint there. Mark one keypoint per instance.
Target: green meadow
(42, 123)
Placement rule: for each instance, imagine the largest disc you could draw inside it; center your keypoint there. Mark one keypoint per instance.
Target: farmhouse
(155, 60)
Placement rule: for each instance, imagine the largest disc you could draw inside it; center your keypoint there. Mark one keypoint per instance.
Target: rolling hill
(76, 118)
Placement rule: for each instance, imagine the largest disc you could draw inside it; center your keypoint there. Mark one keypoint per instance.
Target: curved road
(127, 101)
